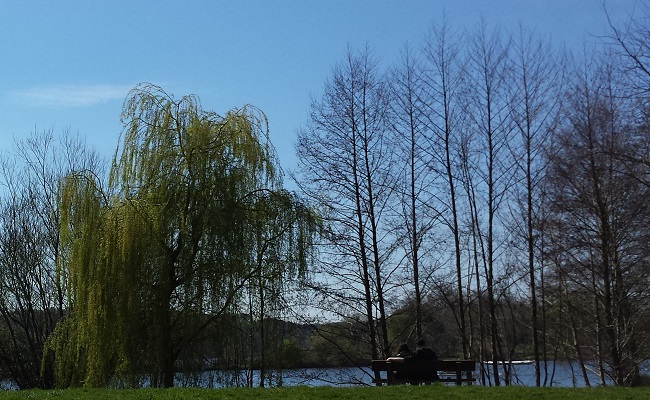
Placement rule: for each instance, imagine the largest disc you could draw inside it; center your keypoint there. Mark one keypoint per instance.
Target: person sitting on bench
(403, 354)
(422, 352)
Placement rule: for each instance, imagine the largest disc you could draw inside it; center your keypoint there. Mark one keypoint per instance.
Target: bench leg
(389, 377)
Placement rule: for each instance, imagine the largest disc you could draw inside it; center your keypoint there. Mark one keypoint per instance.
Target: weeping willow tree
(194, 212)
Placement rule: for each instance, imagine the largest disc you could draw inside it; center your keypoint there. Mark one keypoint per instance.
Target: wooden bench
(454, 371)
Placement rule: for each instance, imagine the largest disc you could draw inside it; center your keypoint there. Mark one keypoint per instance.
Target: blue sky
(70, 64)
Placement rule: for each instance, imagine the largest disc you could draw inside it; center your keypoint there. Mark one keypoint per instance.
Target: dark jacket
(425, 353)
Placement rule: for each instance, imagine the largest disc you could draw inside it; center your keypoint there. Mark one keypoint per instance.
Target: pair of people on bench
(405, 355)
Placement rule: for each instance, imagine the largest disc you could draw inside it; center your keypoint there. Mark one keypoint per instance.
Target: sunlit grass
(333, 393)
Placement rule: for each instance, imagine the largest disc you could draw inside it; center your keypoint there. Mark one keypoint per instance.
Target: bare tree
(487, 73)
(442, 82)
(416, 202)
(534, 104)
(597, 204)
(630, 41)
(345, 166)
(33, 299)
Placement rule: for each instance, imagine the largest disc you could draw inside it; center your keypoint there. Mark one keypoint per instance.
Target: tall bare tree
(487, 73)
(442, 92)
(416, 202)
(345, 166)
(534, 104)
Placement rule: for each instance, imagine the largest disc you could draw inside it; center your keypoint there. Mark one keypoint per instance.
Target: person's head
(403, 348)
(420, 343)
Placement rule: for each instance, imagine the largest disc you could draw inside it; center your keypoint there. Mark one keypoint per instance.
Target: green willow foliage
(193, 214)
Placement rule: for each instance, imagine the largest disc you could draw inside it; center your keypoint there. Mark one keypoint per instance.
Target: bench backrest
(462, 370)
(437, 365)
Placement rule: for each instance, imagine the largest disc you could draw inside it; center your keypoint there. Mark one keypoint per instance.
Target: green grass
(332, 393)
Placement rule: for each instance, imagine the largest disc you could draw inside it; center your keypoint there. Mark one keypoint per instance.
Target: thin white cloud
(73, 95)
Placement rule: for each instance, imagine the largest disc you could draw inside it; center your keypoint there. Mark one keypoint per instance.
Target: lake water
(559, 374)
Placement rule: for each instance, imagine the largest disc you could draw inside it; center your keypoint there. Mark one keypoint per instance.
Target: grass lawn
(332, 393)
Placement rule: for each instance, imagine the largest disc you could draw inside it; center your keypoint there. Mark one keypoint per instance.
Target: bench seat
(450, 371)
